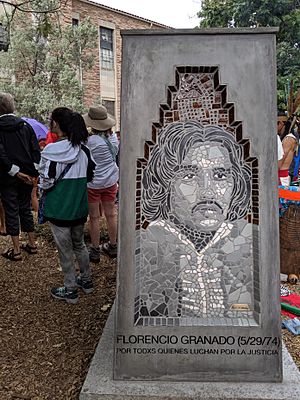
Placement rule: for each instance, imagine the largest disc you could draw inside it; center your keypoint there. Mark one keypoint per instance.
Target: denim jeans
(70, 243)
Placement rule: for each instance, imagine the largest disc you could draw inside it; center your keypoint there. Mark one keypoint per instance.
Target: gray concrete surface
(247, 66)
(99, 383)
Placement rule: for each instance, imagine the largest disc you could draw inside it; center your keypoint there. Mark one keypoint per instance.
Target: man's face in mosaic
(202, 187)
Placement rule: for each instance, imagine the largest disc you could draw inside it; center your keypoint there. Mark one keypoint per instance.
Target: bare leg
(16, 243)
(94, 224)
(100, 209)
(34, 199)
(31, 239)
(110, 213)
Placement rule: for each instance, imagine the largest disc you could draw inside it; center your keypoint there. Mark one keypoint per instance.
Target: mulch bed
(46, 346)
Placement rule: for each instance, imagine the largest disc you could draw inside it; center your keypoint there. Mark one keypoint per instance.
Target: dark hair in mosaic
(71, 123)
(174, 142)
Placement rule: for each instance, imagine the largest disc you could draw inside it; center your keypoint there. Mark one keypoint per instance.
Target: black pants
(16, 200)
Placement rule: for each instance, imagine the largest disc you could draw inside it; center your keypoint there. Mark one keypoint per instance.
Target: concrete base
(100, 385)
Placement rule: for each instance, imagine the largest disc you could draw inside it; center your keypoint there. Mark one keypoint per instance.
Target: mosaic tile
(198, 200)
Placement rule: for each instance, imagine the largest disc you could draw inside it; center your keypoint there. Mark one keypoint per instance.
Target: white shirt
(279, 148)
(107, 171)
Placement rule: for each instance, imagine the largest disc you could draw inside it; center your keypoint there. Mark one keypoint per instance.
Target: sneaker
(62, 293)
(94, 254)
(86, 286)
(110, 249)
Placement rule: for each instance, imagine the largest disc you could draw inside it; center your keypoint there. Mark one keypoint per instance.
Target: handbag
(41, 216)
(41, 211)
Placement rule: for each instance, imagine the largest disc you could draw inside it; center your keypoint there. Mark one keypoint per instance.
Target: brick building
(104, 79)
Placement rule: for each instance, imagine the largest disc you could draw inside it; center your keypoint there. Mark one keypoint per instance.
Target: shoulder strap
(111, 147)
(63, 173)
(91, 164)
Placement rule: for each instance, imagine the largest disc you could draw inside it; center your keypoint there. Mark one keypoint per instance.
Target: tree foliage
(284, 14)
(10, 7)
(44, 62)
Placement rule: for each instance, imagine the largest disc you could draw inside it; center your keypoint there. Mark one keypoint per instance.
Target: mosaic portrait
(197, 211)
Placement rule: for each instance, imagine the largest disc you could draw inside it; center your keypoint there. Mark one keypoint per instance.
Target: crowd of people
(77, 172)
(78, 178)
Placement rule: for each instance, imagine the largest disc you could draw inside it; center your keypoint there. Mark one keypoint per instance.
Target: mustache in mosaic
(207, 205)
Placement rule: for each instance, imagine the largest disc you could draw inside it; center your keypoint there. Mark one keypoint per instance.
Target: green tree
(284, 14)
(8, 10)
(45, 60)
(32, 5)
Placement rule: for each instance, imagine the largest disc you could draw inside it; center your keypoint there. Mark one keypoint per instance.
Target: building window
(110, 106)
(75, 22)
(106, 48)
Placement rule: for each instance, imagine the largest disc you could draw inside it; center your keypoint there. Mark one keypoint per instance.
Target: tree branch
(19, 7)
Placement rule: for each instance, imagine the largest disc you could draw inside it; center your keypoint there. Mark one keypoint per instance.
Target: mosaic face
(202, 187)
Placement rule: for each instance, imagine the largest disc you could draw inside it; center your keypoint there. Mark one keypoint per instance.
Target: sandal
(29, 249)
(11, 255)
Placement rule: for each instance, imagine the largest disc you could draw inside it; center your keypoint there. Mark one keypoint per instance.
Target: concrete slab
(99, 383)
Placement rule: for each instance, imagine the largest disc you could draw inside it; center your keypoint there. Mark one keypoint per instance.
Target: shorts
(107, 195)
(284, 178)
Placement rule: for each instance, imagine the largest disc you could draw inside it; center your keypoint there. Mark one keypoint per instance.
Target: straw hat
(282, 118)
(99, 119)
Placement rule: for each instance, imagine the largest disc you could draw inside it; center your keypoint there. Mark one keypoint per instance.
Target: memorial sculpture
(198, 266)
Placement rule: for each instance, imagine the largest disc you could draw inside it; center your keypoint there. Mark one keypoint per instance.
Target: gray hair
(7, 104)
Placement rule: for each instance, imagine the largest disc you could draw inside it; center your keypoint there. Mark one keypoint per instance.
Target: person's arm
(5, 161)
(10, 168)
(115, 142)
(47, 173)
(288, 145)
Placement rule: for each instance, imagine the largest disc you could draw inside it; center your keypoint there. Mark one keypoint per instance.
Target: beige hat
(99, 119)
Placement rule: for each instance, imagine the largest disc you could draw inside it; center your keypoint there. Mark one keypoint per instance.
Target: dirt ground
(46, 346)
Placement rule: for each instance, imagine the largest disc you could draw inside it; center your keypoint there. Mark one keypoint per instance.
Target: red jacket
(51, 138)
